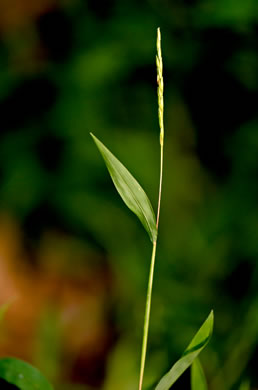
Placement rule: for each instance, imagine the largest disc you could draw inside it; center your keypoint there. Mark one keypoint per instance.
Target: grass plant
(137, 200)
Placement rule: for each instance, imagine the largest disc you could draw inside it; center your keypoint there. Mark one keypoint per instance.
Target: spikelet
(160, 86)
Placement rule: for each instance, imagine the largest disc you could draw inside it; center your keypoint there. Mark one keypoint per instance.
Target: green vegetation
(22, 375)
(71, 254)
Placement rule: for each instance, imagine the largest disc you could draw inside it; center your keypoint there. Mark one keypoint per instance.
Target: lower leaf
(22, 375)
(197, 344)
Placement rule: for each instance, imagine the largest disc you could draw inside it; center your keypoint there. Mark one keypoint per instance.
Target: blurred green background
(71, 252)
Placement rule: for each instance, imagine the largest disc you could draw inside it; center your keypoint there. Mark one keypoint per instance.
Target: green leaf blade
(197, 344)
(129, 189)
(198, 380)
(22, 375)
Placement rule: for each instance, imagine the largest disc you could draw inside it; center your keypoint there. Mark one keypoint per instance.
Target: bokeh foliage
(71, 67)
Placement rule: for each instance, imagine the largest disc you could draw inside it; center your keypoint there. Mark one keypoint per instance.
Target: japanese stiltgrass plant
(136, 199)
(26, 377)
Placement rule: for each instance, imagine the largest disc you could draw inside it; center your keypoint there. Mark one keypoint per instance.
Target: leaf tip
(210, 319)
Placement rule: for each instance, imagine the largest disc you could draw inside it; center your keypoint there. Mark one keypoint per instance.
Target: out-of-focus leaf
(197, 344)
(130, 190)
(22, 375)
(245, 385)
(198, 380)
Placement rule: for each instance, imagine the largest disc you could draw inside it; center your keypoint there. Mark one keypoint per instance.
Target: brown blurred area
(17, 27)
(15, 14)
(80, 299)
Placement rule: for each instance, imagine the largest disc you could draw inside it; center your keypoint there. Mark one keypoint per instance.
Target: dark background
(72, 255)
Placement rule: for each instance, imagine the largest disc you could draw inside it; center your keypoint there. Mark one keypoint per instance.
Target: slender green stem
(160, 184)
(153, 256)
(147, 314)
